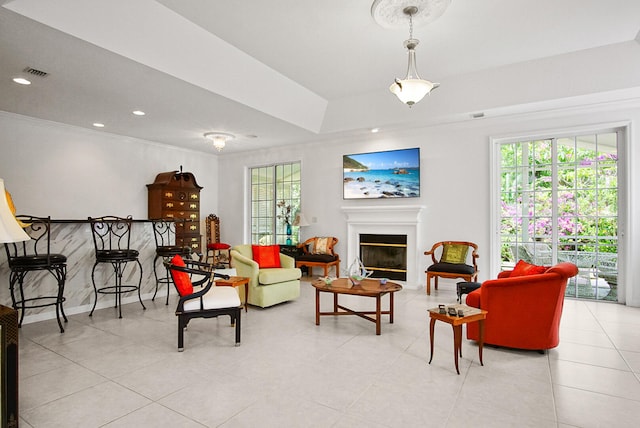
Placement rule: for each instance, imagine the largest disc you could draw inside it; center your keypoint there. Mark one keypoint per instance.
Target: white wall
(73, 173)
(455, 179)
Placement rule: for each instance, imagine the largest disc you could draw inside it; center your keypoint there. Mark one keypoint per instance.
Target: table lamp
(10, 230)
(300, 220)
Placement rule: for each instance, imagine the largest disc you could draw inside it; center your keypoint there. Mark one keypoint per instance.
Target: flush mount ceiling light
(392, 13)
(219, 139)
(22, 81)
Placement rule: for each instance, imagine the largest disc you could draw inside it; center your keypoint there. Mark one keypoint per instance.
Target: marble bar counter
(73, 239)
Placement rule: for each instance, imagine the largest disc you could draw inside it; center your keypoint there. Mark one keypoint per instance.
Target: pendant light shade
(393, 13)
(412, 88)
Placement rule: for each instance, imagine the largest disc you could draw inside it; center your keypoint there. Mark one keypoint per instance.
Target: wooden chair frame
(311, 264)
(213, 236)
(205, 283)
(473, 277)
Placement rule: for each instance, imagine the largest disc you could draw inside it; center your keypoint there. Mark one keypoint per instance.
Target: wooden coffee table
(470, 315)
(236, 281)
(367, 288)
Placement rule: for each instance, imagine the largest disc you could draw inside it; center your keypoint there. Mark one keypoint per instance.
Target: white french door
(559, 202)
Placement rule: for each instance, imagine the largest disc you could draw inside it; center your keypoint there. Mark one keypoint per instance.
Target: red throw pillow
(267, 256)
(181, 279)
(523, 268)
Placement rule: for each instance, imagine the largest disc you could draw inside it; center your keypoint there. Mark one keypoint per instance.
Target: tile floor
(110, 372)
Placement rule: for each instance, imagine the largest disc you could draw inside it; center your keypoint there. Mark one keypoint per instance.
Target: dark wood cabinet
(176, 195)
(9, 367)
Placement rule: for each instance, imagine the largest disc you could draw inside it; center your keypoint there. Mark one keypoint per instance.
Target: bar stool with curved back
(164, 232)
(218, 252)
(112, 239)
(32, 256)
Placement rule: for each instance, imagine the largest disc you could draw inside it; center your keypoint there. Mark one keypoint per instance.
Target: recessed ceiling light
(374, 130)
(98, 125)
(22, 81)
(138, 112)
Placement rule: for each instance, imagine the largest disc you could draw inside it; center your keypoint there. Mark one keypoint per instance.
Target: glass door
(559, 202)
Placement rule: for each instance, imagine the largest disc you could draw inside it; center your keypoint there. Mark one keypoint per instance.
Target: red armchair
(523, 312)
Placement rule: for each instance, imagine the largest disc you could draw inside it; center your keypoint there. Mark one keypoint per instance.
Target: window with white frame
(275, 201)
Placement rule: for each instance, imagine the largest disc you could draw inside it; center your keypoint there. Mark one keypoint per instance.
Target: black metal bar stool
(32, 256)
(164, 231)
(112, 239)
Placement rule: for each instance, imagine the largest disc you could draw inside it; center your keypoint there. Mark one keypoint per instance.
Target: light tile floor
(288, 372)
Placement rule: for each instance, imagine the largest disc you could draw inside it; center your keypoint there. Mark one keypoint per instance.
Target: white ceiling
(274, 70)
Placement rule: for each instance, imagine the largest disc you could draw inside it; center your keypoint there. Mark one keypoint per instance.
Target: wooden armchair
(204, 301)
(451, 260)
(319, 252)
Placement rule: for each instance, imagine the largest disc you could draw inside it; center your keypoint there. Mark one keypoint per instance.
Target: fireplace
(384, 255)
(388, 220)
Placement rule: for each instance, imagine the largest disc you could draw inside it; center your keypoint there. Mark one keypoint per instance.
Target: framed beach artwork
(388, 174)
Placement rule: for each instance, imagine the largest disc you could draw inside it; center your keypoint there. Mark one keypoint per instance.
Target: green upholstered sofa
(270, 286)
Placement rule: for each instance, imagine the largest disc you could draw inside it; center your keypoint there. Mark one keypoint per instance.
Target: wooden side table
(236, 281)
(469, 315)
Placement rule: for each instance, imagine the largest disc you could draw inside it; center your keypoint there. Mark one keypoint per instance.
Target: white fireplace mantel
(384, 214)
(392, 220)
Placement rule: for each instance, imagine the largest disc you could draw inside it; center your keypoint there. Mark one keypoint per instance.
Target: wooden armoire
(176, 194)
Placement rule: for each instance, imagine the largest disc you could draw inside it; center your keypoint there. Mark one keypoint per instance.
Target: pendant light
(412, 88)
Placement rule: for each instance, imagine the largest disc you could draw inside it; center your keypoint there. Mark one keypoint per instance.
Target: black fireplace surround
(384, 255)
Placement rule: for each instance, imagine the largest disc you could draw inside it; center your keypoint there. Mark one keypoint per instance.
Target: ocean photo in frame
(387, 174)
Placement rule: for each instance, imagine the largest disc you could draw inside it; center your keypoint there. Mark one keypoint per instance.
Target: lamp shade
(300, 220)
(10, 230)
(411, 91)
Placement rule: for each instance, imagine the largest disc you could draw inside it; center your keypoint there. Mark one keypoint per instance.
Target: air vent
(477, 115)
(34, 72)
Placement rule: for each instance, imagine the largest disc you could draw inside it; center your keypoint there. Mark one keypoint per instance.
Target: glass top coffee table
(367, 287)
